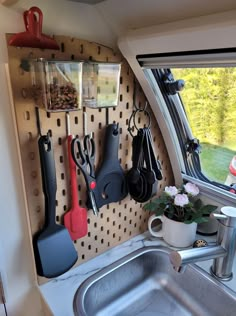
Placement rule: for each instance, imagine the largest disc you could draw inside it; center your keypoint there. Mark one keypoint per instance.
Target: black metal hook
(132, 119)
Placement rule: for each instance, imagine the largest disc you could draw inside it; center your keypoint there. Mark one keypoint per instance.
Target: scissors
(84, 160)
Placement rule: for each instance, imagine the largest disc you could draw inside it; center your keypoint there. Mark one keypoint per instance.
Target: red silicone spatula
(75, 220)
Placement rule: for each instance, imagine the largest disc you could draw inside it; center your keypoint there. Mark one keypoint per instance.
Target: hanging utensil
(33, 36)
(84, 159)
(111, 181)
(54, 250)
(75, 220)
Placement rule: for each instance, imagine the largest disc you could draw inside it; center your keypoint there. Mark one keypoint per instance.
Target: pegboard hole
(96, 237)
(27, 115)
(127, 105)
(57, 218)
(59, 141)
(31, 155)
(82, 244)
(62, 47)
(58, 122)
(48, 115)
(63, 192)
(108, 232)
(30, 137)
(62, 176)
(34, 174)
(83, 257)
(76, 120)
(121, 80)
(36, 192)
(121, 97)
(64, 208)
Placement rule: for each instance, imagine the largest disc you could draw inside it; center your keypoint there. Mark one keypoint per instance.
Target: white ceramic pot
(176, 234)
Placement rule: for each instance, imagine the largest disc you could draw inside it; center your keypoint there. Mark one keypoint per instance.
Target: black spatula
(53, 247)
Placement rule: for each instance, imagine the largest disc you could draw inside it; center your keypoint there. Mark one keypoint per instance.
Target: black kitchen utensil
(142, 177)
(84, 159)
(111, 181)
(53, 247)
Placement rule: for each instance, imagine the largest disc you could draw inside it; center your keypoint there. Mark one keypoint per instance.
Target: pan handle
(112, 142)
(48, 172)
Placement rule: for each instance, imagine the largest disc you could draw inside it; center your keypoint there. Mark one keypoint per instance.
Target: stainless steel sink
(144, 283)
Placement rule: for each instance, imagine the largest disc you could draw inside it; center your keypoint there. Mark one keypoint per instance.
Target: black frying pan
(53, 247)
(111, 181)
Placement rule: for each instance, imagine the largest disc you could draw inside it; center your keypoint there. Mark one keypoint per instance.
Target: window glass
(209, 99)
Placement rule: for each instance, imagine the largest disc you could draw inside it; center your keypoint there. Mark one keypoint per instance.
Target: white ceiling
(131, 14)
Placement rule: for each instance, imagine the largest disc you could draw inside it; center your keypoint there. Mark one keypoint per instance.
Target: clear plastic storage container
(57, 85)
(101, 84)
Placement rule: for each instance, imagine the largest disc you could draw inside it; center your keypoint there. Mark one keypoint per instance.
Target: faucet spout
(180, 258)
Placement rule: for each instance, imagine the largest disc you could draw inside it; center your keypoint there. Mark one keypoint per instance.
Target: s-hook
(132, 119)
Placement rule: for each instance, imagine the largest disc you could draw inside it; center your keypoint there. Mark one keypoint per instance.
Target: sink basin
(144, 283)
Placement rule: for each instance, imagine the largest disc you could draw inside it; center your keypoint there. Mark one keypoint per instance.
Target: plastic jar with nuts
(57, 85)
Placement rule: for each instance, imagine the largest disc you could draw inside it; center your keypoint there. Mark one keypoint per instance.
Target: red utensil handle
(73, 176)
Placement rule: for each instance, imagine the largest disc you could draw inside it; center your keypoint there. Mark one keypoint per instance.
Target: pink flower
(191, 189)
(172, 191)
(181, 200)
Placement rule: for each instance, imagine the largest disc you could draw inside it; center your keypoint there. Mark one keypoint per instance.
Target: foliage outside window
(209, 98)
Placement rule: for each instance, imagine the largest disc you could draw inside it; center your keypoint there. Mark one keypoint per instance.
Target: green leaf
(197, 204)
(150, 206)
(201, 220)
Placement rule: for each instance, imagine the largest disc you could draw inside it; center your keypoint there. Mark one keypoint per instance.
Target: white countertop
(59, 292)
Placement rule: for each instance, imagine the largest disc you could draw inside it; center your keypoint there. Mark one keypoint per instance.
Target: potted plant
(180, 211)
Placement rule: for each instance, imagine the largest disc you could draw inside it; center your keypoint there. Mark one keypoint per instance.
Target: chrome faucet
(222, 253)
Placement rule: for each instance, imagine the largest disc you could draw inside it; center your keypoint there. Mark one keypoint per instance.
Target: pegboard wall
(116, 222)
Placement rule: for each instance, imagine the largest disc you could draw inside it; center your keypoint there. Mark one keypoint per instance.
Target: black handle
(48, 172)
(112, 142)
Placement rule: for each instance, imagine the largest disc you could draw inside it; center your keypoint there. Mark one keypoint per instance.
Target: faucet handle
(227, 216)
(218, 216)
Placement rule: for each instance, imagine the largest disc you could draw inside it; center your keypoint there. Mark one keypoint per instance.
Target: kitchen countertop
(59, 292)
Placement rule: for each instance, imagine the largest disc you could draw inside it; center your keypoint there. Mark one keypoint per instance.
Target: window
(209, 99)
(199, 90)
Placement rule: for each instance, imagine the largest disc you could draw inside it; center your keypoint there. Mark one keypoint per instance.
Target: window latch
(173, 86)
(193, 146)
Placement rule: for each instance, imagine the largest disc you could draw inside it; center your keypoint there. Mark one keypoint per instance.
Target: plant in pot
(180, 211)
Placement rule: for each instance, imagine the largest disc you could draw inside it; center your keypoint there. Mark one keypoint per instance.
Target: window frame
(226, 57)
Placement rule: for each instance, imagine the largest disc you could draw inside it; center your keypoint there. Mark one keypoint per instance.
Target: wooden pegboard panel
(117, 222)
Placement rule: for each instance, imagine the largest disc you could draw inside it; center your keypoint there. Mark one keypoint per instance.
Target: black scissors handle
(89, 151)
(84, 160)
(78, 155)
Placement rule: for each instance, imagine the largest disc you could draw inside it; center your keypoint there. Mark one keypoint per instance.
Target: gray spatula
(53, 247)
